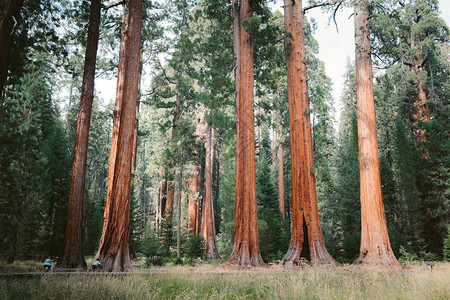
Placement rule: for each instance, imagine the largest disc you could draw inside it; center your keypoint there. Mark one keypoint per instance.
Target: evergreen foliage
(273, 238)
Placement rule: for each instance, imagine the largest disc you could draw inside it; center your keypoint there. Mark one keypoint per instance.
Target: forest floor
(212, 281)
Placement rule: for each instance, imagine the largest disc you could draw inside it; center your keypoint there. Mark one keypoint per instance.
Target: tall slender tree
(72, 254)
(305, 214)
(209, 232)
(375, 246)
(246, 237)
(280, 158)
(114, 250)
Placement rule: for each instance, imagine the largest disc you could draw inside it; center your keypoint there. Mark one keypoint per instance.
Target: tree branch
(329, 3)
(113, 5)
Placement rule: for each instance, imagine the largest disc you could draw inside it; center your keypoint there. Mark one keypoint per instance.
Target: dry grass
(212, 282)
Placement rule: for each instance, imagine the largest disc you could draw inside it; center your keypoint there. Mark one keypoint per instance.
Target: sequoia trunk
(194, 192)
(114, 250)
(375, 246)
(305, 215)
(72, 256)
(246, 236)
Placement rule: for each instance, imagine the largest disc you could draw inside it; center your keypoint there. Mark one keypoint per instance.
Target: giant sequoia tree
(375, 247)
(72, 253)
(246, 237)
(114, 250)
(306, 230)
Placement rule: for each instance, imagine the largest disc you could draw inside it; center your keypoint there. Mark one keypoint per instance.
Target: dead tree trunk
(9, 18)
(246, 236)
(209, 230)
(375, 246)
(305, 215)
(114, 250)
(72, 252)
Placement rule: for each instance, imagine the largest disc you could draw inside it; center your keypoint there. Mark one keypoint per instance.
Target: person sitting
(48, 266)
(96, 264)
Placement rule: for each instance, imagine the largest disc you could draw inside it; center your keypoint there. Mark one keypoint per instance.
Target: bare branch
(329, 3)
(334, 15)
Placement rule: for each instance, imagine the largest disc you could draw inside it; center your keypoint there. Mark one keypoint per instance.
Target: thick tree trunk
(209, 230)
(194, 194)
(305, 215)
(195, 180)
(114, 249)
(246, 236)
(72, 254)
(375, 246)
(9, 18)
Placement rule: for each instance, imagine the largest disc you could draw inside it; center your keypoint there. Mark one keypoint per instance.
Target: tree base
(294, 257)
(373, 259)
(244, 259)
(72, 263)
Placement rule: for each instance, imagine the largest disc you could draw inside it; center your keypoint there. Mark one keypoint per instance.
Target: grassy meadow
(216, 282)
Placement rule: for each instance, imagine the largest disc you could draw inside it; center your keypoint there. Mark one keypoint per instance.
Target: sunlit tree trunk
(375, 246)
(72, 256)
(305, 215)
(209, 230)
(246, 236)
(9, 18)
(114, 247)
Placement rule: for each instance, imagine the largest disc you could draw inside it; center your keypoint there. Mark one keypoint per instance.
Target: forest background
(187, 50)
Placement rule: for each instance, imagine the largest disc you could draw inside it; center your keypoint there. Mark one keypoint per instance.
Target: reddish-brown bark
(209, 232)
(305, 215)
(246, 236)
(72, 256)
(194, 193)
(195, 181)
(375, 246)
(422, 112)
(9, 17)
(114, 250)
